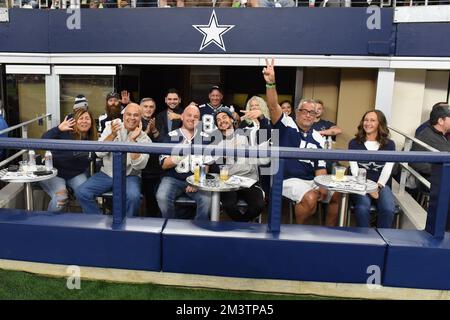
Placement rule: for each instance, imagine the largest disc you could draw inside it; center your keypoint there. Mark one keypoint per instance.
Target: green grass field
(21, 285)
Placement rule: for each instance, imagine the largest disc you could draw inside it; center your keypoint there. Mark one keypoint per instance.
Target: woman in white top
(373, 135)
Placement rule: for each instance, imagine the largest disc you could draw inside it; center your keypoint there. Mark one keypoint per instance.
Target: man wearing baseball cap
(208, 109)
(113, 110)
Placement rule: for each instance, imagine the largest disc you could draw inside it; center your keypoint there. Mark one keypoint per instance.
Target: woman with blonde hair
(256, 120)
(72, 165)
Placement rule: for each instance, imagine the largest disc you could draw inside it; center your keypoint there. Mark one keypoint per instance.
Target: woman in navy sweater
(72, 165)
(373, 135)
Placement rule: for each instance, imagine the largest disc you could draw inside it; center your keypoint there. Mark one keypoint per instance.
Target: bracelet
(270, 85)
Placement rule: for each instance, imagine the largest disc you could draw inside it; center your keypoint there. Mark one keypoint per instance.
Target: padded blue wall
(423, 39)
(416, 260)
(308, 253)
(78, 239)
(337, 31)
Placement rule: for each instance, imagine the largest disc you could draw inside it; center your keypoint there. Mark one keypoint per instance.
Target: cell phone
(42, 173)
(13, 168)
(210, 176)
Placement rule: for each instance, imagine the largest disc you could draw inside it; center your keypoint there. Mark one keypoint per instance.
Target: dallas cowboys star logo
(213, 32)
(371, 166)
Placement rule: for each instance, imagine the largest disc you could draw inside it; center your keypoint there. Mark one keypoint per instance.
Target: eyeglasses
(305, 112)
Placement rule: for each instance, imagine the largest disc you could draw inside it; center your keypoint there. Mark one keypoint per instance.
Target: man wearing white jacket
(128, 131)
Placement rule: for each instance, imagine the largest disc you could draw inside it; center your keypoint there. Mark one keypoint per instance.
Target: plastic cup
(197, 174)
(23, 166)
(223, 176)
(339, 173)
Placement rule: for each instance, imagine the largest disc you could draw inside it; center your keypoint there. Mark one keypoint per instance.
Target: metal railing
(440, 191)
(76, 4)
(407, 170)
(24, 134)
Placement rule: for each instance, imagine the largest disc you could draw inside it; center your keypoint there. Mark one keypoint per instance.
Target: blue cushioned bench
(309, 253)
(415, 260)
(80, 239)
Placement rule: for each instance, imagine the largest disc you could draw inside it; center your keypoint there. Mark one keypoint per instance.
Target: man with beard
(170, 118)
(113, 110)
(239, 166)
(128, 131)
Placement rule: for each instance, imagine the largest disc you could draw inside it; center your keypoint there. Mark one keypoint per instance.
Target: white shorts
(295, 189)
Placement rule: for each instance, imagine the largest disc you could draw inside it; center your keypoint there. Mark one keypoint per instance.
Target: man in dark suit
(170, 118)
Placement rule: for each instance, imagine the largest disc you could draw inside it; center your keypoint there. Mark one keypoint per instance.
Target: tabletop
(349, 185)
(214, 185)
(18, 176)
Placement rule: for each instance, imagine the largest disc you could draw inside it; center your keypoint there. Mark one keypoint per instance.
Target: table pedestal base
(29, 196)
(343, 206)
(215, 206)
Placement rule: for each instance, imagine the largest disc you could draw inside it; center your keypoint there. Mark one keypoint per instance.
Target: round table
(351, 186)
(215, 186)
(27, 178)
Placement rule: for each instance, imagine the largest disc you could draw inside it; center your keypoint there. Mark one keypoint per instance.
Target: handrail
(417, 175)
(23, 124)
(415, 140)
(440, 190)
(280, 152)
(11, 158)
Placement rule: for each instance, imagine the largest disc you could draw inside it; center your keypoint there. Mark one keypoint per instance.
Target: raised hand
(135, 133)
(152, 125)
(173, 115)
(67, 124)
(116, 124)
(125, 97)
(251, 114)
(269, 71)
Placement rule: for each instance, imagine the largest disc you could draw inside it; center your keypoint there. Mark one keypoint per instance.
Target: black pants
(255, 203)
(149, 188)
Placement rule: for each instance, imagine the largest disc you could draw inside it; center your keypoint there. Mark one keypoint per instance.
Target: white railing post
(404, 174)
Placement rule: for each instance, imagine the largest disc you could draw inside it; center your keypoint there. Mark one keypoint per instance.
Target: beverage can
(362, 176)
(202, 173)
(48, 160)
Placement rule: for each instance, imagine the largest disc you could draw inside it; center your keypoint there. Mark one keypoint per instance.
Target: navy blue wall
(423, 39)
(305, 31)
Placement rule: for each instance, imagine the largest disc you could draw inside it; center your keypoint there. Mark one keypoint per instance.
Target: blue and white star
(213, 32)
(371, 166)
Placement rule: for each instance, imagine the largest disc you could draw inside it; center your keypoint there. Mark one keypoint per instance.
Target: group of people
(162, 178)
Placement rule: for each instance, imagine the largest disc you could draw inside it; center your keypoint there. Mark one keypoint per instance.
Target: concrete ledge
(343, 290)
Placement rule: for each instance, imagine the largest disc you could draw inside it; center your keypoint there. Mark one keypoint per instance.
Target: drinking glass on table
(223, 176)
(339, 173)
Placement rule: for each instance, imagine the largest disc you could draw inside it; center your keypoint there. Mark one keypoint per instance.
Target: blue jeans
(171, 188)
(100, 183)
(57, 190)
(385, 208)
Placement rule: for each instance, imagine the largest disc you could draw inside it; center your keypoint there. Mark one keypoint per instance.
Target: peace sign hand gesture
(269, 71)
(67, 124)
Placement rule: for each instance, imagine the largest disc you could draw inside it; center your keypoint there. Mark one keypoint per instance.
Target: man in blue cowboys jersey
(207, 110)
(298, 184)
(177, 167)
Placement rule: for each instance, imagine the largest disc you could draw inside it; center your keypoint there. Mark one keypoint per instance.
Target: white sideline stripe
(345, 290)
